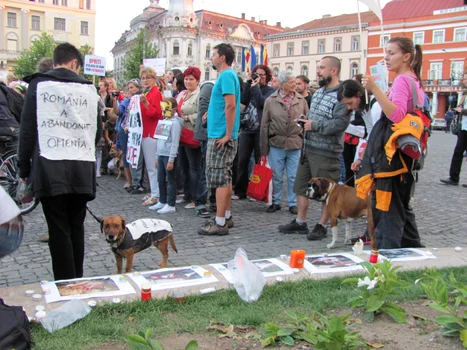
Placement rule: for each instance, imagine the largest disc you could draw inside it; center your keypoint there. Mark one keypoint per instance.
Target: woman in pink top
(393, 217)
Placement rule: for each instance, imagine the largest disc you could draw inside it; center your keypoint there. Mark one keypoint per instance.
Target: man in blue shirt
(223, 124)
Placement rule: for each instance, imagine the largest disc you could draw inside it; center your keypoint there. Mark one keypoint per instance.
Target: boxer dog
(341, 202)
(128, 239)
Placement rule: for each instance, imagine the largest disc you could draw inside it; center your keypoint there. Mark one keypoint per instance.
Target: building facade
(22, 22)
(186, 38)
(301, 48)
(440, 27)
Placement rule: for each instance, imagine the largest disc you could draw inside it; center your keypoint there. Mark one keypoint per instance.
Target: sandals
(146, 197)
(150, 201)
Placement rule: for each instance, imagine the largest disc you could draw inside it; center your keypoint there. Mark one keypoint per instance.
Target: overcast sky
(113, 18)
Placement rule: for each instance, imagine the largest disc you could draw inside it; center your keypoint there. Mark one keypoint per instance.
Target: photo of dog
(115, 164)
(127, 240)
(342, 204)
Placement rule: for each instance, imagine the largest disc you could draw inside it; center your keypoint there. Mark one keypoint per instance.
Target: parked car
(438, 124)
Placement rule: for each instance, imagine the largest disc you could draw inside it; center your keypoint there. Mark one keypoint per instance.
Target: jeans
(123, 141)
(280, 159)
(342, 169)
(192, 163)
(458, 156)
(247, 144)
(166, 180)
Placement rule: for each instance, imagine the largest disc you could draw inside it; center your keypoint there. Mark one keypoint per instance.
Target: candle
(146, 291)
(374, 256)
(297, 258)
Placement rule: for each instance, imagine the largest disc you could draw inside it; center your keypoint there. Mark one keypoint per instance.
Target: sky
(112, 19)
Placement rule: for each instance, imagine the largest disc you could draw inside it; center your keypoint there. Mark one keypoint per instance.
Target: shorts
(219, 163)
(315, 165)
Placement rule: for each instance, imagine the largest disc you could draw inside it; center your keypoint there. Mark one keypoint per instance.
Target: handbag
(187, 138)
(249, 118)
(456, 126)
(260, 181)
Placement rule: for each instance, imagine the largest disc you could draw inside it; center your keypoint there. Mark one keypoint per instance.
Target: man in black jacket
(59, 129)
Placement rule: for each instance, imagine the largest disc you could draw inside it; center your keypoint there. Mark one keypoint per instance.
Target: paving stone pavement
(439, 212)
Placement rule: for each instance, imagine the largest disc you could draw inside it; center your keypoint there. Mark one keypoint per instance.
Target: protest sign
(135, 131)
(94, 65)
(379, 73)
(158, 64)
(67, 120)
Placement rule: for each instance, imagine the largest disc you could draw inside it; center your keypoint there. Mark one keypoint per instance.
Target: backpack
(9, 108)
(14, 328)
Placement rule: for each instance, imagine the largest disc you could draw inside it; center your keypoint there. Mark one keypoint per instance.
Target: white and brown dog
(128, 239)
(342, 204)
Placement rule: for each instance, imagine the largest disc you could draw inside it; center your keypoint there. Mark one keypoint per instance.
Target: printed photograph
(93, 286)
(172, 276)
(330, 262)
(400, 253)
(267, 266)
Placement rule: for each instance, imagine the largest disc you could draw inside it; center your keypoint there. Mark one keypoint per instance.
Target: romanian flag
(253, 56)
(245, 60)
(264, 55)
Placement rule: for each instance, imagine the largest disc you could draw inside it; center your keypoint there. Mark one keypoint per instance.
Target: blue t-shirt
(226, 84)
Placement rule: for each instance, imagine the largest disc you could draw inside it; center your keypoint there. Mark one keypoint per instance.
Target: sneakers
(98, 174)
(137, 190)
(167, 209)
(273, 208)
(229, 222)
(43, 238)
(318, 233)
(294, 227)
(366, 240)
(293, 209)
(449, 182)
(213, 229)
(157, 206)
(190, 205)
(202, 213)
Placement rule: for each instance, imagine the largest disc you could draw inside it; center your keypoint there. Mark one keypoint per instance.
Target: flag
(245, 60)
(264, 55)
(375, 6)
(253, 56)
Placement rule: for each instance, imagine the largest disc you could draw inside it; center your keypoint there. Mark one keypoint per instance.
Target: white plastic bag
(65, 315)
(247, 278)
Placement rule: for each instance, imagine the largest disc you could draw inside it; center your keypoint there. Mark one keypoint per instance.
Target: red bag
(187, 139)
(260, 181)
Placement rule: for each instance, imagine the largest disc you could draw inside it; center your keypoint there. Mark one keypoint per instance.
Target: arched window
(176, 48)
(208, 51)
(275, 71)
(337, 45)
(207, 74)
(304, 70)
(354, 69)
(12, 42)
(190, 49)
(290, 68)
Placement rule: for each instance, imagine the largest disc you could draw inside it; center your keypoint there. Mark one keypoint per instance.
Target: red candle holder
(297, 259)
(146, 292)
(374, 256)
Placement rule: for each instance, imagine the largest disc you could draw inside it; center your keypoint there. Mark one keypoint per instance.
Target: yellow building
(23, 21)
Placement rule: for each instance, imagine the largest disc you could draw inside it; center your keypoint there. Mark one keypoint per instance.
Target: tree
(26, 63)
(86, 50)
(134, 57)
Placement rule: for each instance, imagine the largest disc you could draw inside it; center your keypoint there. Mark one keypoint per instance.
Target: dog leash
(99, 220)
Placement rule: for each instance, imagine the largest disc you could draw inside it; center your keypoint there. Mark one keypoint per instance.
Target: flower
(367, 282)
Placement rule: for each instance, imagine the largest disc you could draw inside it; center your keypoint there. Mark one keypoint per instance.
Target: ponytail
(417, 63)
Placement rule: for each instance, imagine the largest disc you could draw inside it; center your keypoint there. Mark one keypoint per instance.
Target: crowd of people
(182, 141)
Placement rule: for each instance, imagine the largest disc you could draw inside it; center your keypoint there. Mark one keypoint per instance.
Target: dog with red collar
(342, 204)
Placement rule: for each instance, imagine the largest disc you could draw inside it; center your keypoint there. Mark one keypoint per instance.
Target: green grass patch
(116, 321)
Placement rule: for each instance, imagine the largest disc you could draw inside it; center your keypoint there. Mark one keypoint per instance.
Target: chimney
(326, 16)
(243, 15)
(265, 21)
(252, 19)
(278, 25)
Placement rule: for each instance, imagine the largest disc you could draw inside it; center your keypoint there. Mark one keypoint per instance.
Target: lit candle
(297, 258)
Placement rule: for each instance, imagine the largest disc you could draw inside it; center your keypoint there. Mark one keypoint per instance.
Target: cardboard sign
(135, 131)
(158, 64)
(67, 120)
(379, 72)
(94, 65)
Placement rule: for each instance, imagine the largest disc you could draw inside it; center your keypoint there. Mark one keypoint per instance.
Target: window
(304, 70)
(457, 70)
(208, 51)
(81, 4)
(337, 45)
(354, 69)
(238, 52)
(419, 38)
(190, 50)
(11, 19)
(55, 2)
(35, 22)
(436, 70)
(289, 49)
(355, 43)
(459, 34)
(176, 48)
(59, 23)
(275, 71)
(84, 28)
(383, 40)
(321, 45)
(438, 36)
(64, 2)
(276, 50)
(207, 74)
(88, 4)
(290, 68)
(305, 48)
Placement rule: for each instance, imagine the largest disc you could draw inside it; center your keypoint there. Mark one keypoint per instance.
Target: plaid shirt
(287, 98)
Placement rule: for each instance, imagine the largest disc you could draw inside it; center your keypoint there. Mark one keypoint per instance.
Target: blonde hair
(113, 82)
(148, 71)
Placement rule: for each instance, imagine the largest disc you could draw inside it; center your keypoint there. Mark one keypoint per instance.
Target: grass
(116, 321)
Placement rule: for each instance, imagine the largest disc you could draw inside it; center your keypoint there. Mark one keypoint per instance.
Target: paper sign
(94, 65)
(158, 64)
(140, 227)
(135, 132)
(67, 120)
(379, 72)
(163, 130)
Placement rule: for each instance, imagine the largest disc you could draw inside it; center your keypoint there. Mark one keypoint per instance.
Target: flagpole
(363, 65)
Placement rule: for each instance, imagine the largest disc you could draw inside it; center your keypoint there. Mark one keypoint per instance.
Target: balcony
(9, 55)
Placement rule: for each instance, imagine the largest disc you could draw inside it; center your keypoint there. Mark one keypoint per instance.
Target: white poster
(163, 129)
(325, 263)
(140, 227)
(94, 65)
(158, 64)
(379, 73)
(403, 254)
(135, 132)
(67, 120)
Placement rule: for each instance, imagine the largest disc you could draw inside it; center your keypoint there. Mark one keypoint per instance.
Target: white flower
(373, 283)
(367, 282)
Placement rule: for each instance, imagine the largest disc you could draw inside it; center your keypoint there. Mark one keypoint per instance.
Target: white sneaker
(167, 209)
(190, 206)
(157, 206)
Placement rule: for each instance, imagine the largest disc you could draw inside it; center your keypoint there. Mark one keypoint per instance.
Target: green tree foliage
(86, 50)
(27, 62)
(134, 57)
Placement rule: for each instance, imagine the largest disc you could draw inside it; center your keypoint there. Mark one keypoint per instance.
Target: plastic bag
(65, 315)
(247, 278)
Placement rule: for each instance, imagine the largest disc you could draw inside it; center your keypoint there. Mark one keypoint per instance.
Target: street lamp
(451, 99)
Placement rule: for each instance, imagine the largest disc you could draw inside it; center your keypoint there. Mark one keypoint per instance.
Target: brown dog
(117, 156)
(341, 202)
(127, 240)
